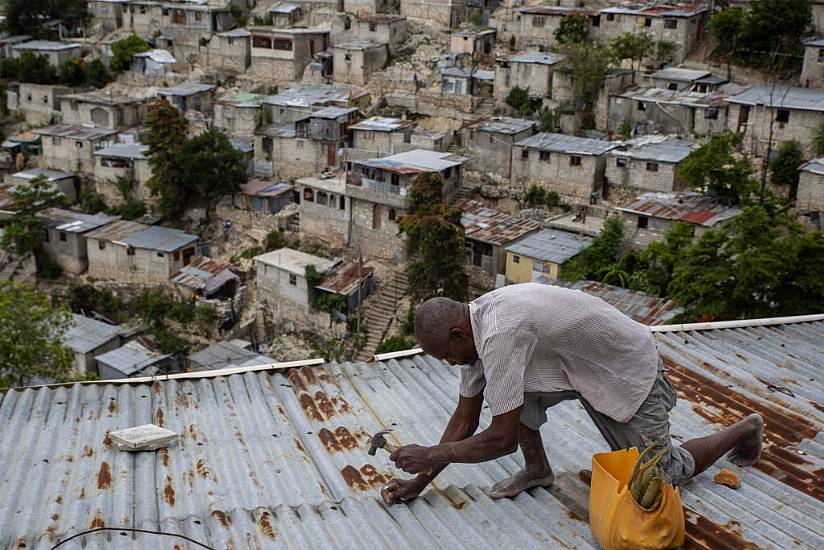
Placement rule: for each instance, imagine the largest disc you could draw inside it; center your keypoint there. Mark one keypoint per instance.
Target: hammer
(379, 442)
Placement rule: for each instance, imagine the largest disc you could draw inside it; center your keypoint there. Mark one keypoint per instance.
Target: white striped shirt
(540, 338)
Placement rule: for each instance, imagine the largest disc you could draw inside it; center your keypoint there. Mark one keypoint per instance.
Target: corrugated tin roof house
(276, 457)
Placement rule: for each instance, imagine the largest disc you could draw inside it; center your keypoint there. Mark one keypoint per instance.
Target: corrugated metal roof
(294, 261)
(493, 227)
(236, 33)
(333, 112)
(641, 306)
(186, 89)
(808, 99)
(563, 143)
(689, 207)
(158, 56)
(75, 132)
(164, 239)
(205, 274)
(344, 279)
(678, 97)
(131, 358)
(221, 355)
(356, 44)
(679, 74)
(87, 334)
(816, 166)
(657, 148)
(265, 188)
(45, 46)
(382, 124)
(550, 245)
(556, 10)
(461, 72)
(50, 175)
(277, 460)
(503, 125)
(307, 95)
(417, 160)
(135, 151)
(284, 7)
(536, 57)
(818, 42)
(658, 11)
(74, 222)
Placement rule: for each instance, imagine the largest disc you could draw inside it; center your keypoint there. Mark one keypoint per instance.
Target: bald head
(443, 330)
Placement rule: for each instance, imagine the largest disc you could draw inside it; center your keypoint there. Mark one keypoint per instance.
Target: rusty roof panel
(275, 460)
(493, 227)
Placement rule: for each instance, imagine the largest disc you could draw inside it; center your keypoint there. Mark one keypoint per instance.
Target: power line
(132, 530)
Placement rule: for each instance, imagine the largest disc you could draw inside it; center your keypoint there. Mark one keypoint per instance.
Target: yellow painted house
(541, 255)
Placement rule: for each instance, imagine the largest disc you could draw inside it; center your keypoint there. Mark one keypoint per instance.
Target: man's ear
(457, 332)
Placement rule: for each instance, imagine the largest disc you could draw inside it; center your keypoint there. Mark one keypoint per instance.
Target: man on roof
(524, 348)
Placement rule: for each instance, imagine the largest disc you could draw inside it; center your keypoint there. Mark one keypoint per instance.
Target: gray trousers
(649, 425)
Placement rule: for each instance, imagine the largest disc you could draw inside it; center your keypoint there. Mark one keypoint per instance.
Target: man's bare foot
(748, 452)
(520, 482)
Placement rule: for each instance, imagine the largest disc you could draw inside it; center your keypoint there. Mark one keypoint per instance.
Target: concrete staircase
(486, 108)
(380, 312)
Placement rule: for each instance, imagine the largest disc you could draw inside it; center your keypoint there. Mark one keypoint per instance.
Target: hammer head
(378, 441)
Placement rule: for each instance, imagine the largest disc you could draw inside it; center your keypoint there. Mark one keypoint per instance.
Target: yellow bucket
(617, 521)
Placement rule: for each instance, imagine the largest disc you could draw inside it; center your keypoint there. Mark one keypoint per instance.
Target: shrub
(535, 195)
(395, 343)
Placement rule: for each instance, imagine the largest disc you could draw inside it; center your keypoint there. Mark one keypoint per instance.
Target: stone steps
(380, 313)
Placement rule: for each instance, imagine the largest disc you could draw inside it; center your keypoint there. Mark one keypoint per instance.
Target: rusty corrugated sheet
(273, 460)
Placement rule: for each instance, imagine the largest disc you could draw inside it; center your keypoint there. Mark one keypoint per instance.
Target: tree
(714, 168)
(34, 68)
(209, 167)
(659, 260)
(97, 75)
(572, 29)
(599, 259)
(31, 342)
(72, 72)
(24, 230)
(632, 46)
(547, 120)
(30, 16)
(434, 243)
(755, 265)
(727, 27)
(518, 99)
(124, 50)
(785, 164)
(167, 135)
(586, 66)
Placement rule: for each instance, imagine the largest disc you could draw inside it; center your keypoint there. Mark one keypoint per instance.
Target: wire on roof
(132, 530)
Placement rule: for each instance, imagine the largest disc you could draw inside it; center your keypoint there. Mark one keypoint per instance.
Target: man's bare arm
(499, 439)
(463, 423)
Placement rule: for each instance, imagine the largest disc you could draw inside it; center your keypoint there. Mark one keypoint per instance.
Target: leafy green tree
(547, 120)
(72, 72)
(727, 27)
(716, 168)
(97, 75)
(572, 29)
(31, 342)
(124, 50)
(434, 243)
(35, 68)
(785, 164)
(659, 259)
(210, 167)
(599, 259)
(663, 53)
(633, 46)
(92, 202)
(586, 66)
(535, 195)
(755, 265)
(24, 230)
(167, 135)
(395, 343)
(30, 16)
(518, 99)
